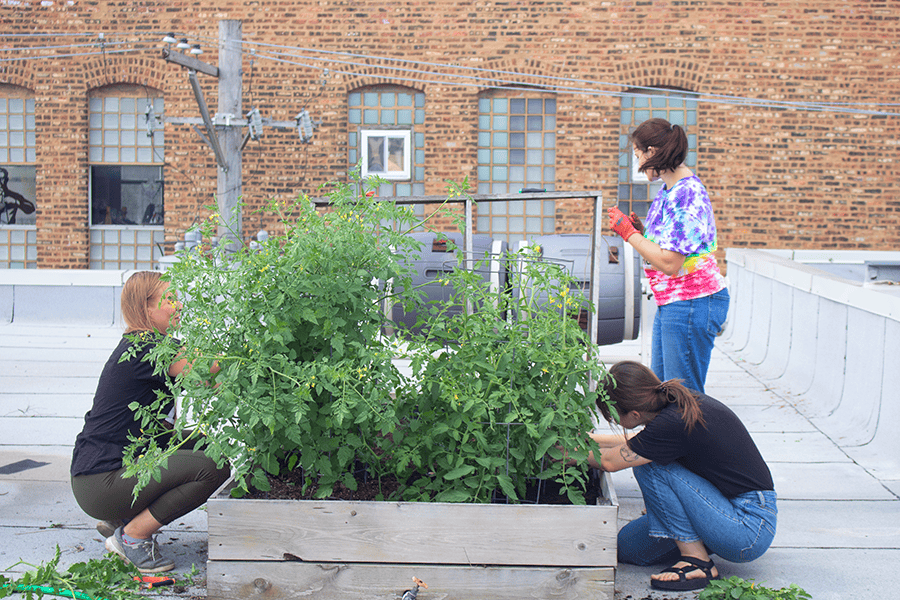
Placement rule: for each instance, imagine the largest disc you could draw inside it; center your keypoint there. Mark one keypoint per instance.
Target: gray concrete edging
(826, 342)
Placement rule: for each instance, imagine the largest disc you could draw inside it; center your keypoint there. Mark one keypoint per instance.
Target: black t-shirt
(100, 445)
(722, 452)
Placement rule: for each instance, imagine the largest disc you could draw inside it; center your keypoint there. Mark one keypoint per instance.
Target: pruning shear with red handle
(151, 582)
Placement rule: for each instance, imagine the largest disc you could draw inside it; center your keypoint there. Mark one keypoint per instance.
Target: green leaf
(454, 496)
(548, 440)
(459, 472)
(507, 486)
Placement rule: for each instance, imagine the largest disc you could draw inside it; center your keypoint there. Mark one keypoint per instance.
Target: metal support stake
(595, 267)
(468, 246)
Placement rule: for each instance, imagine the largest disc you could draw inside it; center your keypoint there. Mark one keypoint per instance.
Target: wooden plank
(412, 532)
(231, 580)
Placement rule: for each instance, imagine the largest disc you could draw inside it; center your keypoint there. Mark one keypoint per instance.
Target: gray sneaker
(144, 556)
(108, 528)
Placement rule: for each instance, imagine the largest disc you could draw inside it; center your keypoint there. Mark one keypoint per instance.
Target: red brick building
(792, 108)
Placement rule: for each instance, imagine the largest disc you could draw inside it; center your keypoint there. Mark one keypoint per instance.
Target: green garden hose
(50, 590)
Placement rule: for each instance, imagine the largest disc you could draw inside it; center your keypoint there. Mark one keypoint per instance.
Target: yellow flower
(564, 292)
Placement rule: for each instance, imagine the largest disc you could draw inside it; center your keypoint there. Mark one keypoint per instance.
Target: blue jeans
(683, 336)
(683, 506)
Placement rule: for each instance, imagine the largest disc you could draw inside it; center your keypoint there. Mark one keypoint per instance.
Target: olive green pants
(186, 483)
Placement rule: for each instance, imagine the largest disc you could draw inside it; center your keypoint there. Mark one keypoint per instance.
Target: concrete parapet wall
(61, 296)
(826, 343)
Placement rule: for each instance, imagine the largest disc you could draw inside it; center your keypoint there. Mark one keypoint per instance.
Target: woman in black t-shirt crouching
(706, 487)
(189, 478)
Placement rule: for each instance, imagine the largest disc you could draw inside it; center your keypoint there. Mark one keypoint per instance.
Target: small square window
(386, 153)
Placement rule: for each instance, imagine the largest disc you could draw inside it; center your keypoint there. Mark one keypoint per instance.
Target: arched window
(387, 137)
(126, 156)
(516, 151)
(636, 192)
(18, 189)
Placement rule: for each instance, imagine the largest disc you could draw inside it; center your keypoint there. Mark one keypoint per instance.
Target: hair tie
(671, 126)
(663, 388)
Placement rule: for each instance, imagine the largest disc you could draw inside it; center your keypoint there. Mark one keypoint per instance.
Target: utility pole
(223, 131)
(229, 177)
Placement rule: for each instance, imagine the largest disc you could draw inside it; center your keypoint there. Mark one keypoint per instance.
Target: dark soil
(289, 486)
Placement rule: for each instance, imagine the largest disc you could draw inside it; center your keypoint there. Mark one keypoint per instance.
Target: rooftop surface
(838, 531)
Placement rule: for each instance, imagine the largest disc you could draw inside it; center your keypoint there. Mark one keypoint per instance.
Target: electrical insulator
(304, 126)
(255, 124)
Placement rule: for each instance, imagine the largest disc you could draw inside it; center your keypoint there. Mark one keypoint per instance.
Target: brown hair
(632, 386)
(669, 141)
(137, 297)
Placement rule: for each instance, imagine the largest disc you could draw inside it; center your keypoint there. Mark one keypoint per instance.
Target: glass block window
(516, 151)
(17, 157)
(126, 155)
(126, 247)
(636, 192)
(18, 247)
(386, 133)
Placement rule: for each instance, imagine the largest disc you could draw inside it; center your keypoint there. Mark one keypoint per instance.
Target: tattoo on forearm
(628, 455)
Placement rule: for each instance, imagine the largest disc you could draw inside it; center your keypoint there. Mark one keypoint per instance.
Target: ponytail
(669, 141)
(632, 386)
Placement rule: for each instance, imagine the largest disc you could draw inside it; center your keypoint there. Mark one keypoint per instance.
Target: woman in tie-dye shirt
(678, 244)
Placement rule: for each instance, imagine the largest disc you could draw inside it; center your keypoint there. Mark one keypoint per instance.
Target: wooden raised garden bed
(345, 550)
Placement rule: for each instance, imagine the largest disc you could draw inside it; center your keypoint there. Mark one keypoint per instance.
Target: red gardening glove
(620, 223)
(636, 221)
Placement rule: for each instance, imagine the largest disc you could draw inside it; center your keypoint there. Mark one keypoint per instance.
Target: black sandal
(683, 584)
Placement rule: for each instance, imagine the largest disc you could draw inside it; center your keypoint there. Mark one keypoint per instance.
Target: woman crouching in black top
(706, 487)
(189, 478)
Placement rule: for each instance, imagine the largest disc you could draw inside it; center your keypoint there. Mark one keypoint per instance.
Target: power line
(496, 79)
(51, 56)
(499, 84)
(531, 75)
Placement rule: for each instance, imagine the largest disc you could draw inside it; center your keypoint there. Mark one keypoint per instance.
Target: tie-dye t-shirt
(681, 220)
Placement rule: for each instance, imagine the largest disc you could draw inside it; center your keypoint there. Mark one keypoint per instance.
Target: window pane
(19, 205)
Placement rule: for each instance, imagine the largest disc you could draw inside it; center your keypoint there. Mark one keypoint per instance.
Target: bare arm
(621, 457)
(608, 440)
(667, 261)
(182, 364)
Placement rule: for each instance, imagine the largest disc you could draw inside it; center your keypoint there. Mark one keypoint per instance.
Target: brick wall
(779, 176)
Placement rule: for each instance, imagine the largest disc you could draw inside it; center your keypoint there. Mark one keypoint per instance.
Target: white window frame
(405, 135)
